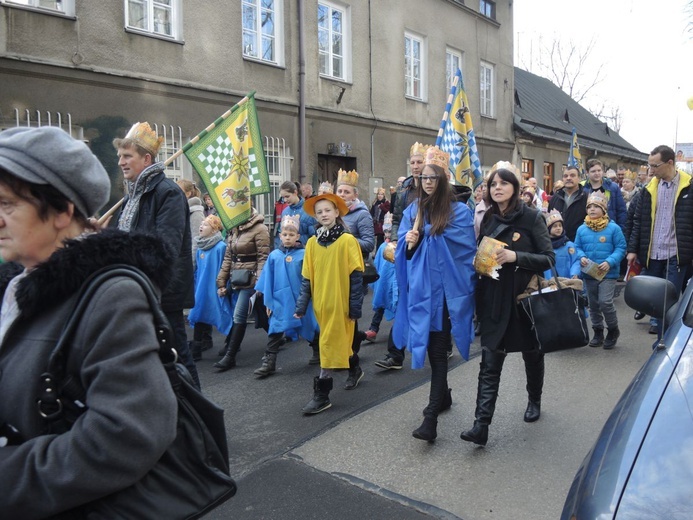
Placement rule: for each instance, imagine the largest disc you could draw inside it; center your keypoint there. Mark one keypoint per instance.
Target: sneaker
(638, 315)
(449, 354)
(353, 379)
(389, 364)
(370, 335)
(653, 330)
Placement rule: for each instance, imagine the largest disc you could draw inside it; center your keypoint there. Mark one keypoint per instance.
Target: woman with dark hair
(378, 210)
(503, 330)
(434, 269)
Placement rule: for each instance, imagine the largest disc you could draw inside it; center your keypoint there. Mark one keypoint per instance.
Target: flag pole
(180, 151)
(448, 106)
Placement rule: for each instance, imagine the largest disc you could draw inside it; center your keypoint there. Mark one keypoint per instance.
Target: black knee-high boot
(438, 358)
(487, 393)
(534, 369)
(233, 343)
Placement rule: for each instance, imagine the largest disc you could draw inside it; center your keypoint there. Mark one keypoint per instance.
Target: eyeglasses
(654, 166)
(431, 178)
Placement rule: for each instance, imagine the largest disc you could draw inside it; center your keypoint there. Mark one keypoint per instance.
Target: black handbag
(192, 477)
(370, 273)
(241, 277)
(557, 317)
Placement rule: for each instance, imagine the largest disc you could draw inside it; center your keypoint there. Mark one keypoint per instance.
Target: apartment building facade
(338, 83)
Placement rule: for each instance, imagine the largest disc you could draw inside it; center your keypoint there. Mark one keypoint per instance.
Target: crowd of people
(307, 281)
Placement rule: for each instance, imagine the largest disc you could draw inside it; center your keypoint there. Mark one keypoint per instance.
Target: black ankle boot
(269, 365)
(598, 339)
(233, 343)
(427, 431)
(478, 434)
(533, 411)
(195, 349)
(321, 396)
(611, 338)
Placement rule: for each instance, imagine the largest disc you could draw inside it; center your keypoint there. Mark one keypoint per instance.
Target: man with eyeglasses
(662, 240)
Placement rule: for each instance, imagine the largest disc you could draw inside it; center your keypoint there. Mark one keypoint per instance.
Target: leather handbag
(370, 273)
(192, 477)
(241, 277)
(557, 316)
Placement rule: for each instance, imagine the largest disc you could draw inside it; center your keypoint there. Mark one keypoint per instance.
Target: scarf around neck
(597, 224)
(560, 241)
(209, 242)
(327, 236)
(135, 191)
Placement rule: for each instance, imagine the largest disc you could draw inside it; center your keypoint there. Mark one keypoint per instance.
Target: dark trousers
(355, 347)
(392, 351)
(275, 341)
(177, 321)
(377, 318)
(438, 358)
(202, 332)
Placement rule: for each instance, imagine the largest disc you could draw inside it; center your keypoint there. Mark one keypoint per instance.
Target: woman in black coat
(503, 328)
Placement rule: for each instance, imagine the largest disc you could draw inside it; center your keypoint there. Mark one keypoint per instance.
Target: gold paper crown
(630, 175)
(553, 217)
(144, 136)
(598, 199)
(529, 189)
(325, 187)
(505, 165)
(419, 149)
(438, 157)
(351, 177)
(291, 221)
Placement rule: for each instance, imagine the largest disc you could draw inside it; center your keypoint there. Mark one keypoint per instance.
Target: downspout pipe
(301, 93)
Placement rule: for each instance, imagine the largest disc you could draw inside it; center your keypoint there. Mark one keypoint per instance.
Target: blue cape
(441, 267)
(385, 290)
(209, 307)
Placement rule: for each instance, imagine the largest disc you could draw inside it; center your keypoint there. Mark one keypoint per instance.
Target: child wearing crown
(280, 283)
(210, 309)
(436, 279)
(603, 246)
(333, 280)
(567, 254)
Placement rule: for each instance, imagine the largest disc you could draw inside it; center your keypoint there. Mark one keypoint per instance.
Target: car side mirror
(651, 295)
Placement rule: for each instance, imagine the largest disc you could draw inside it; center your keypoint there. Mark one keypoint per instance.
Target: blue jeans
(600, 294)
(240, 311)
(672, 273)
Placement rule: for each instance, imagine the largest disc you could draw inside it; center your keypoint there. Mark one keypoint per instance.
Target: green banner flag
(231, 162)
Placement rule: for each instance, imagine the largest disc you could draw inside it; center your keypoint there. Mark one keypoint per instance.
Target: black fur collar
(61, 276)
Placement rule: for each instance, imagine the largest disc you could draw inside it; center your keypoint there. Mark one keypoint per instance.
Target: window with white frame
(334, 35)
(487, 8)
(486, 89)
(262, 30)
(66, 7)
(414, 66)
(159, 17)
(453, 62)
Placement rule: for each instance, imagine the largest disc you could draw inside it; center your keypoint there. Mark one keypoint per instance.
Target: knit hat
(552, 217)
(48, 155)
(597, 198)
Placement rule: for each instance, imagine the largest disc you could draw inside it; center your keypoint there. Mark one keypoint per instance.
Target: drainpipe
(301, 95)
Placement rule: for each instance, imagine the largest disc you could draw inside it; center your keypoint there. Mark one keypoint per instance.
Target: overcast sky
(646, 54)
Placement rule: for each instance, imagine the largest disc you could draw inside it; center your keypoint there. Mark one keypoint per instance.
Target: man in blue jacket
(596, 181)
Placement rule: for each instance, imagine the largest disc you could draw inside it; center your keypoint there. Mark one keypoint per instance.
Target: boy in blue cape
(280, 283)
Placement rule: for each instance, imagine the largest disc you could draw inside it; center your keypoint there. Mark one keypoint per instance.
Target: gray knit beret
(48, 155)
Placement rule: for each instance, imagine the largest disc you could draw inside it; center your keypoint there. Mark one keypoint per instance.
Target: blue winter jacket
(567, 261)
(607, 245)
(306, 222)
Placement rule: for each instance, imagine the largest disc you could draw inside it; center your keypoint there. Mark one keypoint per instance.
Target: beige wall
(91, 66)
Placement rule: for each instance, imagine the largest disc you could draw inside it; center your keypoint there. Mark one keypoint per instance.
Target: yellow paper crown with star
(437, 157)
(419, 149)
(598, 199)
(291, 221)
(143, 135)
(630, 175)
(351, 177)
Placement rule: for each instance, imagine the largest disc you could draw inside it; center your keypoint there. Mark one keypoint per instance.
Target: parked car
(641, 466)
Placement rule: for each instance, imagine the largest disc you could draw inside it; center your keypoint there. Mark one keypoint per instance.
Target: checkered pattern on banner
(449, 145)
(216, 159)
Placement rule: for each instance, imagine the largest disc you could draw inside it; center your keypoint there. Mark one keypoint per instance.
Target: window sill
(335, 79)
(263, 62)
(488, 117)
(39, 10)
(412, 98)
(157, 36)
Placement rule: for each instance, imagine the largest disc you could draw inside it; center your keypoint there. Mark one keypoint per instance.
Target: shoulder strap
(60, 395)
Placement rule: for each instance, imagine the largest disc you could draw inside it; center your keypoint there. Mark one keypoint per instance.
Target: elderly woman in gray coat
(49, 184)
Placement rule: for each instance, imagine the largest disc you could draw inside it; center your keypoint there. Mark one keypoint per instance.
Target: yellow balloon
(690, 103)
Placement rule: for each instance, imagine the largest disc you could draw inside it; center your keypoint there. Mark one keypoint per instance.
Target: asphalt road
(358, 459)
